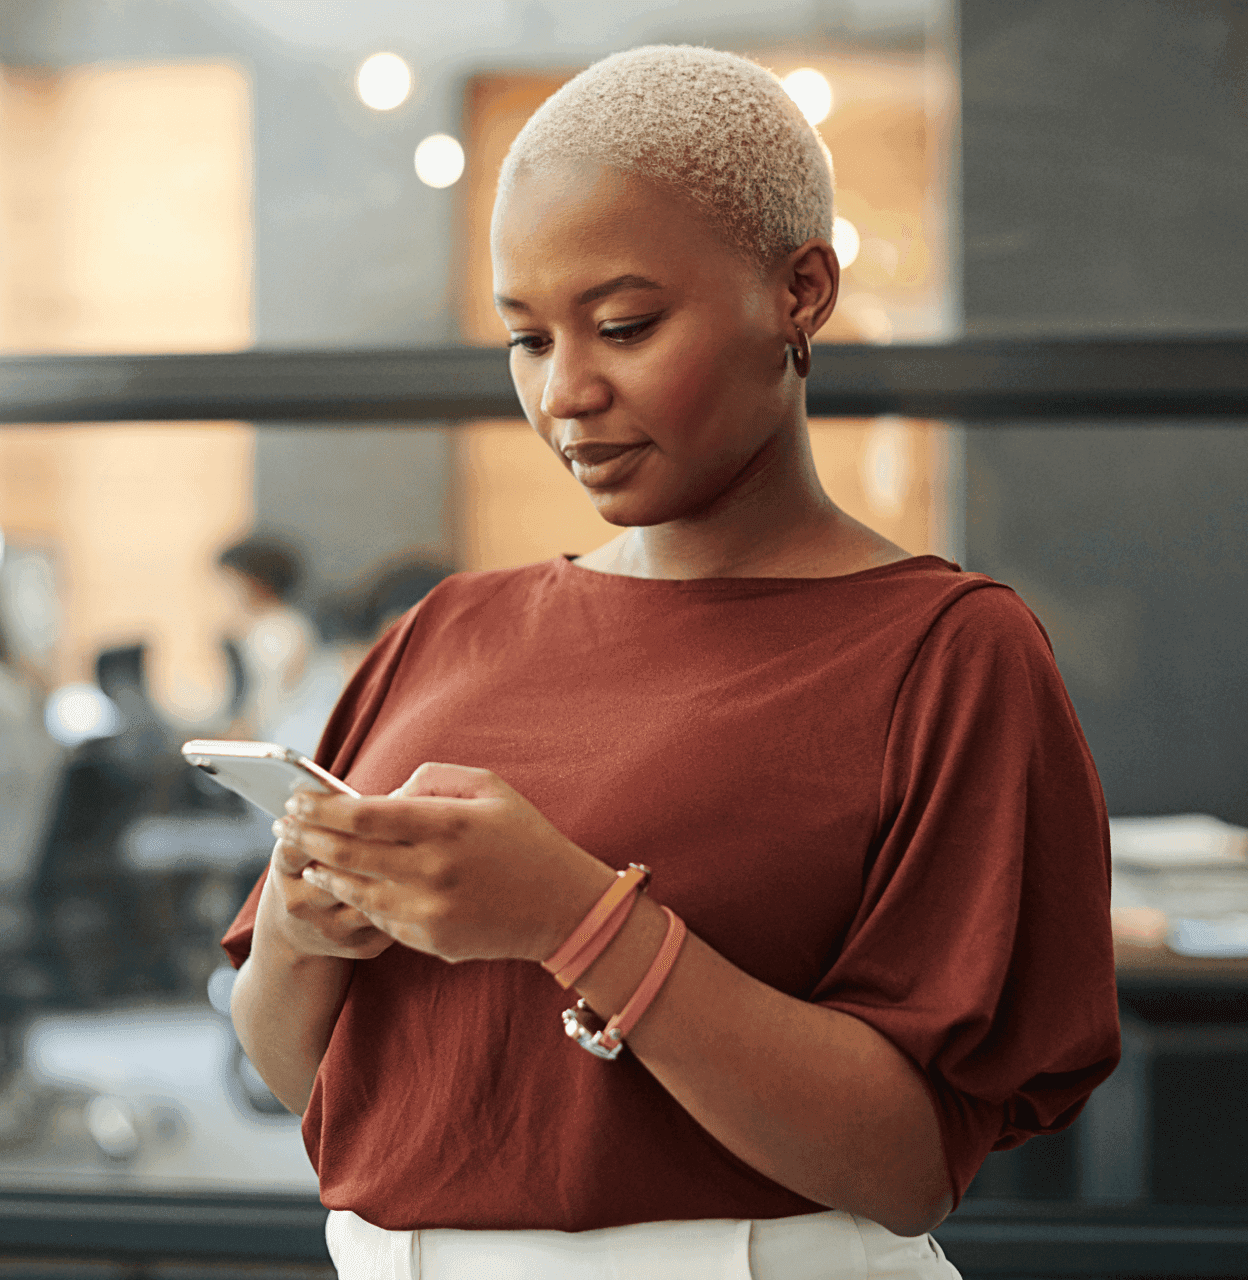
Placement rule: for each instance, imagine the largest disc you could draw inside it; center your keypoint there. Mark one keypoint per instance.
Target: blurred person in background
(31, 763)
(32, 756)
(854, 772)
(288, 691)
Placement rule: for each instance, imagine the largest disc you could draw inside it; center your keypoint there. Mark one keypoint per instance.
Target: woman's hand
(309, 921)
(455, 864)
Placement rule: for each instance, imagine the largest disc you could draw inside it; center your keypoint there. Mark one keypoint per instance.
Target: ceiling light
(846, 241)
(439, 160)
(812, 93)
(383, 81)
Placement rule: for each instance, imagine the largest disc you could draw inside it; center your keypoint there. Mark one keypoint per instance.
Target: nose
(574, 388)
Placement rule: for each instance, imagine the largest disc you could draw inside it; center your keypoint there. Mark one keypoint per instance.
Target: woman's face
(649, 356)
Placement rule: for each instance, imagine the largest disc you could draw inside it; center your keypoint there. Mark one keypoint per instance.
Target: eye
(529, 342)
(626, 332)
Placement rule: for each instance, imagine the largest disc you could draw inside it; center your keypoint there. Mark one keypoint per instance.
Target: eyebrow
(590, 295)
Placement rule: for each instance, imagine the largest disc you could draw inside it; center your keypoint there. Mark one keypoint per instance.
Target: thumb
(452, 780)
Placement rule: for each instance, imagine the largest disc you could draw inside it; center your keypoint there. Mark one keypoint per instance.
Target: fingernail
(294, 804)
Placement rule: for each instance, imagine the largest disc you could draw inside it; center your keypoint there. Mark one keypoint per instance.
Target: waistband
(818, 1246)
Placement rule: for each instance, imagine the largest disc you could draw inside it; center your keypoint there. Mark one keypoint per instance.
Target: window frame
(974, 381)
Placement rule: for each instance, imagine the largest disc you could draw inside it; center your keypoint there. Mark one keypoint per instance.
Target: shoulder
(473, 591)
(453, 618)
(926, 603)
(473, 608)
(975, 640)
(985, 669)
(989, 607)
(1002, 617)
(972, 610)
(983, 686)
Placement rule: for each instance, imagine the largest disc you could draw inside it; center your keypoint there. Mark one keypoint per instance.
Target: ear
(814, 278)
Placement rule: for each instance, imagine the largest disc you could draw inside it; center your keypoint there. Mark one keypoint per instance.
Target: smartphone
(261, 772)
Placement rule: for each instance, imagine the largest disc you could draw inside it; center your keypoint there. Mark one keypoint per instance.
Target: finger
(291, 853)
(288, 861)
(384, 819)
(348, 918)
(308, 902)
(346, 924)
(452, 780)
(288, 857)
(372, 898)
(370, 859)
(369, 817)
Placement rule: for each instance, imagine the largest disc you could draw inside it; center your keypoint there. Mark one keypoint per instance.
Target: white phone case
(261, 772)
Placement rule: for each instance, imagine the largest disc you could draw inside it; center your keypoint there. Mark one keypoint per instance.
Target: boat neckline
(566, 562)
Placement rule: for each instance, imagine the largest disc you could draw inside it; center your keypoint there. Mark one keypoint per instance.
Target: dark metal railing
(983, 1239)
(976, 381)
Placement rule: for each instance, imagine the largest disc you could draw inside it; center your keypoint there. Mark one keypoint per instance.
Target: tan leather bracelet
(590, 952)
(628, 882)
(608, 1042)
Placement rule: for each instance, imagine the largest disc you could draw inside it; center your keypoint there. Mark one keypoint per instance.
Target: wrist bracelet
(596, 945)
(625, 885)
(608, 1042)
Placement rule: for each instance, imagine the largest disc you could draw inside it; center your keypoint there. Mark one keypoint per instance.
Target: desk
(1169, 1125)
(1145, 968)
(1170, 1006)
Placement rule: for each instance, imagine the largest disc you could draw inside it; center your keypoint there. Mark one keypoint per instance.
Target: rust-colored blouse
(869, 791)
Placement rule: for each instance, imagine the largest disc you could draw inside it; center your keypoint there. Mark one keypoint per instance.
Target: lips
(603, 465)
(591, 454)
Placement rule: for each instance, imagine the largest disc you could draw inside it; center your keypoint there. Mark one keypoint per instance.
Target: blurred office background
(212, 175)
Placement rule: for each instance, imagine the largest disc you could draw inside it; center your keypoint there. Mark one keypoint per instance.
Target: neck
(775, 522)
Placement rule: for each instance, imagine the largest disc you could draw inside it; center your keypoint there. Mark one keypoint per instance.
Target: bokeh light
(886, 466)
(220, 988)
(846, 241)
(868, 315)
(812, 93)
(439, 160)
(114, 1126)
(76, 713)
(383, 81)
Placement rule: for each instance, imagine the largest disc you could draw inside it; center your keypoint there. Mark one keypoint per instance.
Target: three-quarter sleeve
(982, 946)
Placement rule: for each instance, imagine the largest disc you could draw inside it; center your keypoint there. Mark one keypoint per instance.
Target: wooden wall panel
(495, 109)
(125, 214)
(517, 503)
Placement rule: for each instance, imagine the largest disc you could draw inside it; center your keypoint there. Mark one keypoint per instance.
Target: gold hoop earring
(801, 354)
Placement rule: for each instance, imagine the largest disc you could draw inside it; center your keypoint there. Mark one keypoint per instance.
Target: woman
(854, 773)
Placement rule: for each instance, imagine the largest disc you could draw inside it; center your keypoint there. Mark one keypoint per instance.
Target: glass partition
(244, 182)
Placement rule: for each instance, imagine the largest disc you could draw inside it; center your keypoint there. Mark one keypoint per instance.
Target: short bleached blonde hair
(712, 126)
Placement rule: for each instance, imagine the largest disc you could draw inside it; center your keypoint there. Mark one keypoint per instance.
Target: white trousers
(816, 1246)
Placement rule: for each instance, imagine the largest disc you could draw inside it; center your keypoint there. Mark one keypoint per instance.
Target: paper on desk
(1224, 938)
(1177, 840)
